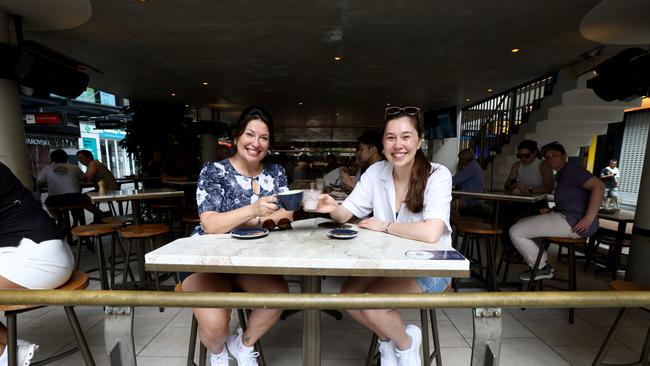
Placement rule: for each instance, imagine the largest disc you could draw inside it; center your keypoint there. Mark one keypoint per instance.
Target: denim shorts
(433, 284)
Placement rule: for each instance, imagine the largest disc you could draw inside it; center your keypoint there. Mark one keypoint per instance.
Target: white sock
(213, 356)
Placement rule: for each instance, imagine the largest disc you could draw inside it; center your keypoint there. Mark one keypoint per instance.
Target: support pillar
(13, 150)
(638, 269)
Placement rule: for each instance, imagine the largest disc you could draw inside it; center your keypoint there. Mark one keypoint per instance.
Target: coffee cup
(290, 200)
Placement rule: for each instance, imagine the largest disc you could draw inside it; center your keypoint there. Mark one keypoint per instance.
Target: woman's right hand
(326, 204)
(265, 206)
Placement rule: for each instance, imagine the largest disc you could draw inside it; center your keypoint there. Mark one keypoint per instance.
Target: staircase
(572, 116)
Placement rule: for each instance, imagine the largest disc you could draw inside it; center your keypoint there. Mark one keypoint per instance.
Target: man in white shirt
(611, 177)
(368, 152)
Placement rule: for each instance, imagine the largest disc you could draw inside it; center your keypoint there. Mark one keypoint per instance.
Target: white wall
(445, 152)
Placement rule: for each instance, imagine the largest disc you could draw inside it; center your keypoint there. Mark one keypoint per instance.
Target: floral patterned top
(221, 188)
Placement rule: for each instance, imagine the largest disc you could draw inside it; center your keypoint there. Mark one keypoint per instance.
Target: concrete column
(638, 268)
(13, 150)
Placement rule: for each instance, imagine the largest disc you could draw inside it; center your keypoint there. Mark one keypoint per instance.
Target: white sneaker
(411, 356)
(245, 356)
(220, 359)
(387, 353)
(25, 354)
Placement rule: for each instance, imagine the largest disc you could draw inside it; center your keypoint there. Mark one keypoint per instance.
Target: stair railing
(489, 124)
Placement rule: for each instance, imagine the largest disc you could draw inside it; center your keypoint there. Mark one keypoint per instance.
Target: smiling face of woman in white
(253, 144)
(401, 141)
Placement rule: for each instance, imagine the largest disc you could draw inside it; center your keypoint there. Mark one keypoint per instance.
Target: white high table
(134, 195)
(305, 250)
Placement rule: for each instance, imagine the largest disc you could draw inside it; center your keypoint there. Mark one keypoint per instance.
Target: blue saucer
(342, 233)
(249, 233)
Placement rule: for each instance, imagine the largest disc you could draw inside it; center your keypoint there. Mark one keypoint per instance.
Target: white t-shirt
(61, 178)
(375, 193)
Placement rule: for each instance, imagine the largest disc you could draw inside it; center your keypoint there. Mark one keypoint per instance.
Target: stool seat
(95, 229)
(480, 228)
(124, 219)
(460, 219)
(77, 281)
(566, 241)
(629, 286)
(191, 218)
(161, 206)
(144, 231)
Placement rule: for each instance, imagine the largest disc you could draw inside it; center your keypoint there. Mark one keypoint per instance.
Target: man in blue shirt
(468, 178)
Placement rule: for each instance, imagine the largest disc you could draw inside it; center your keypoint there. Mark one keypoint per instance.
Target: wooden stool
(643, 359)
(123, 220)
(472, 235)
(190, 220)
(168, 208)
(142, 233)
(95, 233)
(194, 330)
(78, 281)
(570, 244)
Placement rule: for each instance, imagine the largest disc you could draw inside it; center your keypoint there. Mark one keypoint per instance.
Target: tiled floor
(530, 337)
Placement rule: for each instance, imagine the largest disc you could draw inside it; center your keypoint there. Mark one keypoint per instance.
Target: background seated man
(96, 171)
(62, 179)
(369, 151)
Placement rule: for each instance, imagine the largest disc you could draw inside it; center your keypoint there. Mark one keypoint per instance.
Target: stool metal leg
(101, 259)
(572, 278)
(203, 355)
(424, 325)
(193, 331)
(436, 338)
(372, 350)
(79, 335)
(12, 339)
(532, 282)
(610, 337)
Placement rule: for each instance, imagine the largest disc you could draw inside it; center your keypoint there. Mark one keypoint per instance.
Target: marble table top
(304, 250)
(134, 194)
(502, 196)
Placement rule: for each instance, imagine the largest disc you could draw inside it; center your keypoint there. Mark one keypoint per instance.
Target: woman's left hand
(373, 224)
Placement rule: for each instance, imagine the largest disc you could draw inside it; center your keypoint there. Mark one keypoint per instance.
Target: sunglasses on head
(282, 224)
(524, 156)
(409, 111)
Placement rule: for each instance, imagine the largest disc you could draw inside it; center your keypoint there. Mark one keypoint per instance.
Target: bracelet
(387, 227)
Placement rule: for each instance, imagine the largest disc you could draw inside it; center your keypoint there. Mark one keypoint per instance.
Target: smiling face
(401, 141)
(253, 144)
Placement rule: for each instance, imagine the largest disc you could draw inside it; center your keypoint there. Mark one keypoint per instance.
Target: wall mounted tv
(440, 124)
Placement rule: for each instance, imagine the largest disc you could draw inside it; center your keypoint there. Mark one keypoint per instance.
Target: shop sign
(31, 141)
(43, 119)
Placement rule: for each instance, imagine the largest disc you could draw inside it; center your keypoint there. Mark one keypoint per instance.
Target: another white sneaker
(219, 360)
(387, 353)
(411, 356)
(245, 356)
(26, 351)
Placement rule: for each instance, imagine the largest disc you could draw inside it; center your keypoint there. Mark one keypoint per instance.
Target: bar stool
(472, 234)
(427, 355)
(570, 244)
(167, 208)
(78, 281)
(95, 232)
(190, 220)
(203, 351)
(643, 359)
(141, 233)
(123, 220)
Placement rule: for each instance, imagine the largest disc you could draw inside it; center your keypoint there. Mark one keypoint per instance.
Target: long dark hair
(421, 170)
(254, 113)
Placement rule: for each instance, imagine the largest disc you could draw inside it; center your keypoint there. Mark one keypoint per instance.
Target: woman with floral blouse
(233, 193)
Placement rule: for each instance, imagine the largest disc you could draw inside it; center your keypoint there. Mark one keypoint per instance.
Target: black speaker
(43, 69)
(624, 76)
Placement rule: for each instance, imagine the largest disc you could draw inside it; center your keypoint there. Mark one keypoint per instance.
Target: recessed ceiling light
(205, 83)
(515, 50)
(338, 58)
(594, 72)
(467, 100)
(338, 114)
(490, 90)
(187, 105)
(173, 94)
(299, 103)
(387, 104)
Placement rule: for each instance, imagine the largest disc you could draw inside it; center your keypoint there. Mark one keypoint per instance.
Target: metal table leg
(118, 336)
(487, 336)
(311, 325)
